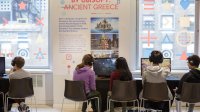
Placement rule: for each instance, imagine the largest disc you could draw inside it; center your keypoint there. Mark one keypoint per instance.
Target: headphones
(151, 58)
(13, 62)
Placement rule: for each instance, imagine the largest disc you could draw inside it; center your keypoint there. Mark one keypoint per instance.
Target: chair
(75, 91)
(190, 93)
(155, 92)
(124, 91)
(20, 89)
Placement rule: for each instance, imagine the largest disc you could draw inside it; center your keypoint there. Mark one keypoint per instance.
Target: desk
(4, 84)
(4, 87)
(102, 85)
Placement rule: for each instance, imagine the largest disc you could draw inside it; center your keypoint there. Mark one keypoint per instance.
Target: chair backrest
(21, 88)
(155, 91)
(124, 90)
(75, 90)
(190, 92)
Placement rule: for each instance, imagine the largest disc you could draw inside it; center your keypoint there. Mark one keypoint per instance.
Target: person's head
(122, 66)
(87, 60)
(193, 61)
(121, 63)
(156, 57)
(18, 62)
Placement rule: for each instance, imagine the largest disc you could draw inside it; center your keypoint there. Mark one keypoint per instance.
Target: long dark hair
(122, 66)
(86, 60)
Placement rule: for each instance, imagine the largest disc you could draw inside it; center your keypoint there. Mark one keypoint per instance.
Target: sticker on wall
(23, 52)
(39, 54)
(149, 4)
(147, 48)
(166, 6)
(185, 4)
(167, 44)
(22, 5)
(167, 22)
(148, 22)
(39, 21)
(149, 38)
(68, 56)
(183, 56)
(184, 22)
(183, 38)
(167, 53)
(166, 39)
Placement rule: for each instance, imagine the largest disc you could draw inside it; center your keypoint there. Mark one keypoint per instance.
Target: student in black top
(192, 76)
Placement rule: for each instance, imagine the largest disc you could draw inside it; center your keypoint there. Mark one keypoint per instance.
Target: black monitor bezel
(4, 66)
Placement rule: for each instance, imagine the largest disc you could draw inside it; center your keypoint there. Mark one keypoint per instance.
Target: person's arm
(111, 81)
(92, 81)
(179, 89)
(166, 72)
(144, 77)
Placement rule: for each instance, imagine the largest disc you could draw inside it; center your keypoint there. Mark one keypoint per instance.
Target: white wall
(127, 29)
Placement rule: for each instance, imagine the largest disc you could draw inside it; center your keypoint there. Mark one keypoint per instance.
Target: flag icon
(149, 4)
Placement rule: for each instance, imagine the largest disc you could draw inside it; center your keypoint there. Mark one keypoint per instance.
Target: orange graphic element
(183, 56)
(149, 38)
(39, 21)
(22, 6)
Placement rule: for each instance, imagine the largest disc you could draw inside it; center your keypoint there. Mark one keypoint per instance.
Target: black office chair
(155, 92)
(20, 89)
(75, 91)
(124, 91)
(190, 93)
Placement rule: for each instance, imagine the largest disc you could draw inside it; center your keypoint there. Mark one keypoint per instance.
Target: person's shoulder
(115, 72)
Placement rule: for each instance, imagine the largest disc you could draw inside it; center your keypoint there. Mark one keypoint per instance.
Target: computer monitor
(103, 67)
(145, 63)
(2, 66)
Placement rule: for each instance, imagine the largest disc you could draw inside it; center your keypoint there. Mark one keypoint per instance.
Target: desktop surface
(170, 77)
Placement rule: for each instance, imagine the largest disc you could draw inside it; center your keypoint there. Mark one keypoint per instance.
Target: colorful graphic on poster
(104, 45)
(104, 25)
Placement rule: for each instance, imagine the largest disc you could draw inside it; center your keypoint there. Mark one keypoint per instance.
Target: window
(24, 32)
(168, 26)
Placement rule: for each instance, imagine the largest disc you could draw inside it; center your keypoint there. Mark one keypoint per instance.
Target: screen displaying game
(103, 67)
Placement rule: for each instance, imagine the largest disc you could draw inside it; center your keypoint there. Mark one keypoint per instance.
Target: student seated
(17, 72)
(83, 72)
(156, 74)
(192, 76)
(122, 73)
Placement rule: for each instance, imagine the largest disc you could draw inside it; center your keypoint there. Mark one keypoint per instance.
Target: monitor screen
(145, 63)
(103, 67)
(2, 66)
